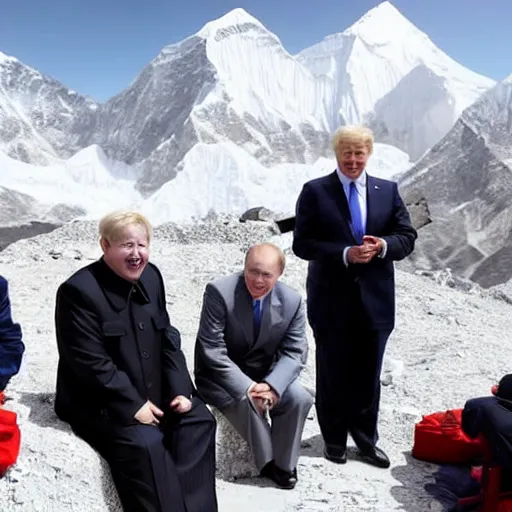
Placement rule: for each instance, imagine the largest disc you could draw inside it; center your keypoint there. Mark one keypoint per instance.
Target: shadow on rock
(414, 476)
(108, 488)
(312, 447)
(41, 410)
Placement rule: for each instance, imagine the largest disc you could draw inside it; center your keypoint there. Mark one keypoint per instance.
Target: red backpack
(439, 438)
(9, 438)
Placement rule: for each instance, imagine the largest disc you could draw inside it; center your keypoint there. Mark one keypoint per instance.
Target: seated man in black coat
(11, 344)
(491, 416)
(122, 380)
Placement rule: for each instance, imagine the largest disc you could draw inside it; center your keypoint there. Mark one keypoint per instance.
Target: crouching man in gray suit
(250, 348)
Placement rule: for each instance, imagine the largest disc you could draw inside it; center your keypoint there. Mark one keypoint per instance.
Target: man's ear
(104, 244)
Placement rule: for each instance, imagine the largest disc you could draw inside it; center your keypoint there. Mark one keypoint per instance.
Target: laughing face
(352, 160)
(128, 254)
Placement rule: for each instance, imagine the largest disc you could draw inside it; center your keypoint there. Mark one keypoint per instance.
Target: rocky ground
(448, 346)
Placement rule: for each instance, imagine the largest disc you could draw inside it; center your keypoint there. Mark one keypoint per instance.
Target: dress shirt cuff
(247, 395)
(384, 250)
(345, 256)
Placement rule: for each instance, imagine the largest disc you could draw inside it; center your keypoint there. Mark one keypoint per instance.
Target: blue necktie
(355, 213)
(256, 317)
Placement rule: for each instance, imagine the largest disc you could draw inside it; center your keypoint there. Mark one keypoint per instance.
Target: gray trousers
(279, 441)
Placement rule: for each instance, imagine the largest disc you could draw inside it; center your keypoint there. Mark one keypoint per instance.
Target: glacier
(219, 177)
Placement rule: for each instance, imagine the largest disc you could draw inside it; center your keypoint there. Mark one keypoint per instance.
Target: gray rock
(417, 207)
(467, 182)
(234, 457)
(257, 213)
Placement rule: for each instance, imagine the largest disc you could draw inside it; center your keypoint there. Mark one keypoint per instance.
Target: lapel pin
(377, 187)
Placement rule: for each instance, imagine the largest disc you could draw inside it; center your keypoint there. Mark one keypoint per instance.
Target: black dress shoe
(282, 478)
(375, 456)
(337, 454)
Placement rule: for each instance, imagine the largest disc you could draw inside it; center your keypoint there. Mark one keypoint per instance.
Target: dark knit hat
(505, 388)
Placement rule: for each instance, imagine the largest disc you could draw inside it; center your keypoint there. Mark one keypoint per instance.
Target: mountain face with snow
(467, 180)
(40, 119)
(372, 66)
(234, 82)
(219, 177)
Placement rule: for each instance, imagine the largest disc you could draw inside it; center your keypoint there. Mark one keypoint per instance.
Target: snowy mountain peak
(235, 21)
(381, 25)
(508, 80)
(6, 58)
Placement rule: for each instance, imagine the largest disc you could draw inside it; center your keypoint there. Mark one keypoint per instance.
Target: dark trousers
(488, 417)
(170, 468)
(348, 367)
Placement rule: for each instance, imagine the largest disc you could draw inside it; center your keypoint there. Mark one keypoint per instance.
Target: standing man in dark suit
(122, 380)
(250, 349)
(351, 227)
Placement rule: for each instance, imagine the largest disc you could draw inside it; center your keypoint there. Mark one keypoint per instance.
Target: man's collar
(117, 289)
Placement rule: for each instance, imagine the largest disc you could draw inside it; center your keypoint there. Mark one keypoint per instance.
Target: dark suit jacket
(11, 345)
(116, 345)
(336, 293)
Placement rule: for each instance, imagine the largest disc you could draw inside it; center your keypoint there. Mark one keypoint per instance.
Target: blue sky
(99, 46)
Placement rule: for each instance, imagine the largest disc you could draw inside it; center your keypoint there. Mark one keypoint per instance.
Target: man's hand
(374, 243)
(264, 397)
(365, 252)
(360, 253)
(148, 414)
(260, 387)
(181, 404)
(269, 398)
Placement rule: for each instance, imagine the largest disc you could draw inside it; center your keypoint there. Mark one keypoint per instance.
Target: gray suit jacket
(227, 357)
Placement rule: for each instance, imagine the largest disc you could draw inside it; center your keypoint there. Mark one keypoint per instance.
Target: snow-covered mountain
(40, 119)
(89, 181)
(219, 177)
(232, 81)
(379, 53)
(467, 180)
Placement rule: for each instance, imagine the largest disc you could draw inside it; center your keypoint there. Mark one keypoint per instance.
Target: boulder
(234, 457)
(417, 206)
(258, 213)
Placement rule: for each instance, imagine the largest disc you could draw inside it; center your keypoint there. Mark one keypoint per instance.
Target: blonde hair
(352, 135)
(113, 224)
(280, 253)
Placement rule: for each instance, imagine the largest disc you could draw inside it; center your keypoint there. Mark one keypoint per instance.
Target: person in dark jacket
(491, 416)
(11, 344)
(351, 227)
(122, 380)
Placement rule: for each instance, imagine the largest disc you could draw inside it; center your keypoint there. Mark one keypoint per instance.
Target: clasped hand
(365, 252)
(149, 413)
(264, 397)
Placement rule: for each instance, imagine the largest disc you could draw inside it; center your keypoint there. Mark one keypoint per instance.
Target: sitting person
(250, 349)
(122, 380)
(11, 344)
(491, 416)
